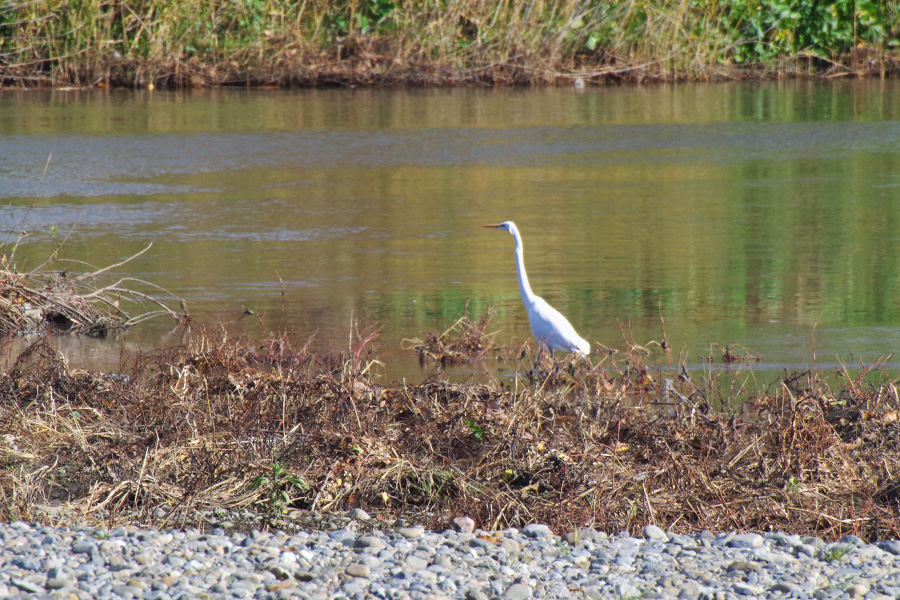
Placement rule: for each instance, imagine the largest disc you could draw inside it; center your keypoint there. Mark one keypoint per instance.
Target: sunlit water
(765, 216)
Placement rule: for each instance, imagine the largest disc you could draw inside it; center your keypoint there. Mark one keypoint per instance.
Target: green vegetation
(277, 485)
(836, 552)
(168, 42)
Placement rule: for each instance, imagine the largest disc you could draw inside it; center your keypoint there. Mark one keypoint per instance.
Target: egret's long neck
(524, 288)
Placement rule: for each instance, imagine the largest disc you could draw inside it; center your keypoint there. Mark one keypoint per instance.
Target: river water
(761, 215)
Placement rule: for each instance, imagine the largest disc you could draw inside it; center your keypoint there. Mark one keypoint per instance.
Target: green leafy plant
(277, 485)
(793, 484)
(477, 430)
(762, 30)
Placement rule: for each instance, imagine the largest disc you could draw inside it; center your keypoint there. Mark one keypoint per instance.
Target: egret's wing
(552, 329)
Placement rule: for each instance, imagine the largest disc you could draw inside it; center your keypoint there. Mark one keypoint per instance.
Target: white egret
(549, 327)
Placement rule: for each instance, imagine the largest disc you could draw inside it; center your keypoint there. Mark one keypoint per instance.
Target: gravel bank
(409, 562)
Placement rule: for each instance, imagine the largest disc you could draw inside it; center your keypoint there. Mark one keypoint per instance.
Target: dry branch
(43, 299)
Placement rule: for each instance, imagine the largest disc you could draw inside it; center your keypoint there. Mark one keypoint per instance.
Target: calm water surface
(749, 214)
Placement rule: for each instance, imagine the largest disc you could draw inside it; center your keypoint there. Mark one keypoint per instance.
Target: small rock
(84, 548)
(745, 540)
(28, 564)
(741, 565)
(785, 587)
(475, 594)
(443, 561)
(411, 532)
(57, 583)
(126, 591)
(537, 531)
(743, 589)
(463, 525)
(592, 592)
(626, 590)
(816, 542)
(278, 571)
(280, 585)
(369, 541)
(856, 590)
(511, 546)
(518, 591)
(652, 532)
(358, 514)
(892, 546)
(416, 563)
(852, 539)
(357, 570)
(583, 534)
(342, 535)
(26, 586)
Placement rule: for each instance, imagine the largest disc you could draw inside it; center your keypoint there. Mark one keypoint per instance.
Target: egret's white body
(549, 327)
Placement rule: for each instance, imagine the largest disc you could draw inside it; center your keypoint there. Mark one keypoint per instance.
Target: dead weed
(224, 425)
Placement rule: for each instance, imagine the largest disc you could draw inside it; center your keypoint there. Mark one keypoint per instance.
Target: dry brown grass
(464, 341)
(224, 425)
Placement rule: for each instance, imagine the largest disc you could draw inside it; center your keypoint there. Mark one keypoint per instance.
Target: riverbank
(243, 435)
(115, 43)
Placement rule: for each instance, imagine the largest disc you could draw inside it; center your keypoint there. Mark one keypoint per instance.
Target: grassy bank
(222, 432)
(318, 42)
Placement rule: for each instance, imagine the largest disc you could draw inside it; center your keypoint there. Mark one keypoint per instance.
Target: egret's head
(505, 225)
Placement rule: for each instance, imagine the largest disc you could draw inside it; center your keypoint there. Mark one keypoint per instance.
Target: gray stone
(511, 546)
(742, 565)
(463, 524)
(852, 539)
(478, 542)
(785, 587)
(29, 564)
(444, 562)
(743, 589)
(342, 535)
(84, 548)
(369, 541)
(416, 563)
(357, 570)
(626, 590)
(537, 531)
(26, 586)
(652, 532)
(411, 532)
(358, 514)
(745, 540)
(127, 591)
(583, 534)
(57, 583)
(892, 546)
(592, 592)
(518, 591)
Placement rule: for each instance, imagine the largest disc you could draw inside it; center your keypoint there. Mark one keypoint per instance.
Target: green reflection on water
(738, 213)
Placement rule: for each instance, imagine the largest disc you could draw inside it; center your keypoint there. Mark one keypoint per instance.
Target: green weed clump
(193, 42)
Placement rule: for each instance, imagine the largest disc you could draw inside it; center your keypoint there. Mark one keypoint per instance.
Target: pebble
(463, 524)
(411, 563)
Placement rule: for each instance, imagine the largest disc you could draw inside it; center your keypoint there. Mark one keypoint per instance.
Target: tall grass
(137, 42)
